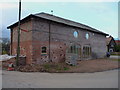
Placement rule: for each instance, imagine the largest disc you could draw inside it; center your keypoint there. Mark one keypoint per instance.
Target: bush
(55, 67)
(5, 45)
(117, 48)
(4, 52)
(5, 48)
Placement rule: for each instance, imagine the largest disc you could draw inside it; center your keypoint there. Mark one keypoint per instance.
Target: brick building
(110, 44)
(46, 37)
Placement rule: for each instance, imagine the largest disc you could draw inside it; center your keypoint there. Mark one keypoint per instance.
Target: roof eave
(20, 20)
(74, 26)
(31, 15)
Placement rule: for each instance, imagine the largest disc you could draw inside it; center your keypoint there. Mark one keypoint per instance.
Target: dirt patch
(95, 65)
(85, 66)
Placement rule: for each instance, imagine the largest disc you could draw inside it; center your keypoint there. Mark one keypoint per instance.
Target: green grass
(4, 52)
(56, 67)
(66, 68)
(116, 53)
(115, 59)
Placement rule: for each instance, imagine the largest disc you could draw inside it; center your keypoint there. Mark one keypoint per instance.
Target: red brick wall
(57, 51)
(61, 37)
(25, 49)
(25, 41)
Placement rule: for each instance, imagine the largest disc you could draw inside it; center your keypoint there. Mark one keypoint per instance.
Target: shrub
(117, 48)
(4, 52)
(5, 48)
(55, 67)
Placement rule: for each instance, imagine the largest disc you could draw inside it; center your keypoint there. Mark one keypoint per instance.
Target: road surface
(106, 79)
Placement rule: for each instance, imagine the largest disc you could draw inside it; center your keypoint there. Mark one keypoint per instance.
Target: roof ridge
(64, 19)
(61, 20)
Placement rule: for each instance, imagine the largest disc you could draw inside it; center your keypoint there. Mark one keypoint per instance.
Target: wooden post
(18, 44)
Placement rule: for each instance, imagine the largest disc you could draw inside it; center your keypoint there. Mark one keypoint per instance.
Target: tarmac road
(106, 79)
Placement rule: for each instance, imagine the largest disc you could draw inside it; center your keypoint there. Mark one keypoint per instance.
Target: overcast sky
(100, 15)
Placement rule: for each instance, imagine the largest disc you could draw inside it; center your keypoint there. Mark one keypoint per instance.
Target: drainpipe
(11, 41)
(49, 40)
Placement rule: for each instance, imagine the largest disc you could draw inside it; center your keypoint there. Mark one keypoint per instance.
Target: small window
(112, 45)
(87, 36)
(44, 50)
(75, 34)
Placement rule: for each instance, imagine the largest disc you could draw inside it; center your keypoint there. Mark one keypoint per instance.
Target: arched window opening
(87, 35)
(86, 51)
(76, 49)
(75, 33)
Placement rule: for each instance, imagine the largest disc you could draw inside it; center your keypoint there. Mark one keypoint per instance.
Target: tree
(5, 44)
(117, 48)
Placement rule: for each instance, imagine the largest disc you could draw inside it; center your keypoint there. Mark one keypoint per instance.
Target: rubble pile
(30, 68)
(6, 63)
(48, 67)
(6, 57)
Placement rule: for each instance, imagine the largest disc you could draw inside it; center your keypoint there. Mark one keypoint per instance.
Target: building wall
(99, 47)
(25, 41)
(96, 41)
(40, 35)
(111, 45)
(61, 37)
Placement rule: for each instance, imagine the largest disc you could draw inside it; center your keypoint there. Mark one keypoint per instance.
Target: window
(112, 45)
(87, 36)
(44, 50)
(86, 51)
(75, 34)
(74, 49)
(111, 50)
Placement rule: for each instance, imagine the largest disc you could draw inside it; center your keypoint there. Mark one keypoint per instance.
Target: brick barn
(45, 37)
